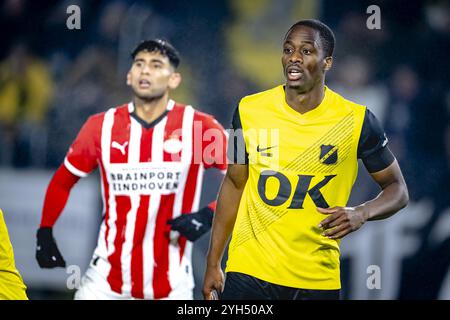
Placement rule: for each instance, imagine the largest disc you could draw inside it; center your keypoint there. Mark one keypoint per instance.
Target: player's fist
(193, 225)
(213, 283)
(47, 253)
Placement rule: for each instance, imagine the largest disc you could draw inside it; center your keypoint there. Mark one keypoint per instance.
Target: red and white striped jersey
(150, 174)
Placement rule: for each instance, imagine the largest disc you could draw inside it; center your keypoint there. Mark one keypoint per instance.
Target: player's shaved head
(327, 38)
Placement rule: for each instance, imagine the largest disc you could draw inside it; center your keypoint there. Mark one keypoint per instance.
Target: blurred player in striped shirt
(151, 154)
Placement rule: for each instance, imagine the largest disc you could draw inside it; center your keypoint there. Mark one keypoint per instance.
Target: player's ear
(174, 80)
(129, 78)
(328, 62)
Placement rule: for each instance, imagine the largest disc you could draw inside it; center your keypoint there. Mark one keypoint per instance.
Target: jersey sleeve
(214, 143)
(57, 194)
(81, 158)
(237, 151)
(373, 147)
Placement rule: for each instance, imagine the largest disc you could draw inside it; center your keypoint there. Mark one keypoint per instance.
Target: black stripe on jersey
(372, 145)
(148, 125)
(237, 151)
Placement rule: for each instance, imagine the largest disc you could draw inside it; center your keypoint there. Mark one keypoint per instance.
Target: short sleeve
(214, 143)
(373, 147)
(237, 151)
(81, 159)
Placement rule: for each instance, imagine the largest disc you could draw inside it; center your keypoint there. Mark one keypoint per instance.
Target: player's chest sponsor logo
(145, 178)
(328, 154)
(294, 191)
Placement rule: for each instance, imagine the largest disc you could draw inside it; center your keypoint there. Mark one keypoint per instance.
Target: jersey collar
(169, 107)
(312, 114)
(132, 112)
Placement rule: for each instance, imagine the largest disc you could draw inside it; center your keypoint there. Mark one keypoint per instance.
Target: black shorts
(239, 286)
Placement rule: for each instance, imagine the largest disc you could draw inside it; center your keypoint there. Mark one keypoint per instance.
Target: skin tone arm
(393, 197)
(227, 207)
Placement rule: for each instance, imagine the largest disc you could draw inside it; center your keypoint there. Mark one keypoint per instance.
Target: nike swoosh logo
(263, 149)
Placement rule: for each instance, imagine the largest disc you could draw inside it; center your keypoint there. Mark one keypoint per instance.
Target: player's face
(151, 75)
(303, 59)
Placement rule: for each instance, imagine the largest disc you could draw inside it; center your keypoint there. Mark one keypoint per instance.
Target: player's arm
(384, 169)
(80, 160)
(58, 191)
(393, 196)
(227, 207)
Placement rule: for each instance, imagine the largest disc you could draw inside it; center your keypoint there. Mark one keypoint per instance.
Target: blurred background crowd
(53, 78)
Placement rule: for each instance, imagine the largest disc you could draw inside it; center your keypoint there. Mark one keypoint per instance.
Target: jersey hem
(313, 285)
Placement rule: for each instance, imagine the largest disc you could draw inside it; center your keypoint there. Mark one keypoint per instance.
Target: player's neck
(303, 102)
(150, 110)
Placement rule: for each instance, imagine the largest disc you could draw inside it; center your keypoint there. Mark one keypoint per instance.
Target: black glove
(193, 225)
(47, 253)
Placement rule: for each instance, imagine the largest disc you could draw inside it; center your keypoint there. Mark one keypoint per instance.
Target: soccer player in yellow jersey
(294, 153)
(11, 283)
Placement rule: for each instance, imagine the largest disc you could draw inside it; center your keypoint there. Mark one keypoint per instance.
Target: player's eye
(287, 50)
(157, 66)
(307, 51)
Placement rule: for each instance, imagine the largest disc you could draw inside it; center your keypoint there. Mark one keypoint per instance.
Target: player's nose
(296, 57)
(145, 70)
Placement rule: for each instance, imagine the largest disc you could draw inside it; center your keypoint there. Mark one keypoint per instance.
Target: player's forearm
(224, 219)
(58, 192)
(391, 199)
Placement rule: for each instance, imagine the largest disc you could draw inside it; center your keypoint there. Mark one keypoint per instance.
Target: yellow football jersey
(11, 283)
(297, 162)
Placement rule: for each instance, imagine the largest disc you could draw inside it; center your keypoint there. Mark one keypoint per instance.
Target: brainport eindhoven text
(145, 181)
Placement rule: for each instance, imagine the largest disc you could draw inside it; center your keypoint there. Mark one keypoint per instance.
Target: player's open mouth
(294, 73)
(144, 83)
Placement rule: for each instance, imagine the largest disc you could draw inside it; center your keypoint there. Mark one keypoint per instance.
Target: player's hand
(213, 283)
(47, 253)
(193, 225)
(341, 221)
